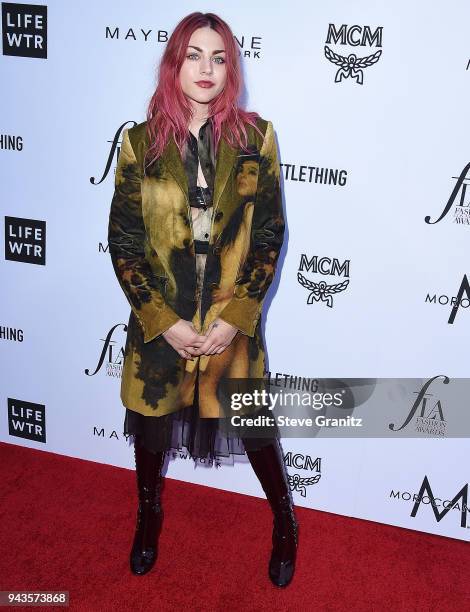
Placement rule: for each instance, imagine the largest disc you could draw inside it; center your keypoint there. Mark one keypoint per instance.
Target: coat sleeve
(127, 242)
(267, 235)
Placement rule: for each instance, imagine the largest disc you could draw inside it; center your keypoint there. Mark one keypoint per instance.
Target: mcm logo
(351, 66)
(303, 462)
(447, 504)
(322, 291)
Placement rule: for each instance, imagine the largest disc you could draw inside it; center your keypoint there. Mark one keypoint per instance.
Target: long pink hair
(169, 112)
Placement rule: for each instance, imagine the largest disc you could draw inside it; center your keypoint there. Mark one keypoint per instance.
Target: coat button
(213, 286)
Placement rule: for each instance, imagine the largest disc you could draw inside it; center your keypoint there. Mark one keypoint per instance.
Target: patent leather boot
(144, 550)
(268, 464)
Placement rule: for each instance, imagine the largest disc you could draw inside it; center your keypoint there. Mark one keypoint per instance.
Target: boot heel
(285, 540)
(148, 528)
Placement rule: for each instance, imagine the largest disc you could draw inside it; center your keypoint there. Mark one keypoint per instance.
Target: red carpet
(68, 524)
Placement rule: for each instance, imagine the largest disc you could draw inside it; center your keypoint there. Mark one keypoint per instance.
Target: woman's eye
(218, 59)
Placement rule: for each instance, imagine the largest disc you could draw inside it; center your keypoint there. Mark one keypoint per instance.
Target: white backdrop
(385, 153)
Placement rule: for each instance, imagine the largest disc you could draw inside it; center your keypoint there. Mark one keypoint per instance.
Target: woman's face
(247, 178)
(204, 64)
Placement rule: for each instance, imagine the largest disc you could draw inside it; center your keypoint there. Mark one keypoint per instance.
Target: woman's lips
(205, 84)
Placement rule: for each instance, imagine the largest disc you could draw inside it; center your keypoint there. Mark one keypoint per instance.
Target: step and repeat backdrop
(369, 101)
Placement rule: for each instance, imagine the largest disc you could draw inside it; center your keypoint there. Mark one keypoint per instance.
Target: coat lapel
(225, 161)
(172, 160)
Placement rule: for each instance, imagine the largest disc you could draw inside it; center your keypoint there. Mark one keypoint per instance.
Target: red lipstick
(205, 84)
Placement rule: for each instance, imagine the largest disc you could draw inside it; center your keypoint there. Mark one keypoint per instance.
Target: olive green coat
(151, 245)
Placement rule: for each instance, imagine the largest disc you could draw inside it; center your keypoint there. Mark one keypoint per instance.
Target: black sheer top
(200, 198)
(200, 149)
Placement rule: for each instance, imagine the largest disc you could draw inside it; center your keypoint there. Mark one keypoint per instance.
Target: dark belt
(200, 197)
(201, 246)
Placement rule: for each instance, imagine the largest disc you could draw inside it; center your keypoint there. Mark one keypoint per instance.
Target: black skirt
(203, 438)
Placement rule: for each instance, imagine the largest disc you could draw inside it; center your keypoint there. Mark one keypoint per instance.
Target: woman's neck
(196, 123)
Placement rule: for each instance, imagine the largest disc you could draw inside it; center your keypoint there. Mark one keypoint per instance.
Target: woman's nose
(206, 66)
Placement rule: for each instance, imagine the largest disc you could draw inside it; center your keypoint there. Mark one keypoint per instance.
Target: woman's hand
(184, 338)
(218, 337)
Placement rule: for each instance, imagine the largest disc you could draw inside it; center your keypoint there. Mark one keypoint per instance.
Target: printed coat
(151, 243)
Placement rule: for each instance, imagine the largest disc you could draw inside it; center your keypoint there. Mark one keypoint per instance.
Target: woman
(195, 230)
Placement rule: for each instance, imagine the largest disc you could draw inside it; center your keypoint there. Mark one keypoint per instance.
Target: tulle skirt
(202, 438)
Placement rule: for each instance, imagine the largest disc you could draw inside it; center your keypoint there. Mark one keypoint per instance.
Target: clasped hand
(188, 343)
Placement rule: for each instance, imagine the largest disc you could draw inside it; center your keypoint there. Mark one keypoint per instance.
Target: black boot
(268, 464)
(149, 513)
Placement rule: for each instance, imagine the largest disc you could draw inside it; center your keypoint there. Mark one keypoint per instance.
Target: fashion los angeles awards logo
(427, 412)
(459, 201)
(111, 355)
(321, 291)
(351, 66)
(113, 152)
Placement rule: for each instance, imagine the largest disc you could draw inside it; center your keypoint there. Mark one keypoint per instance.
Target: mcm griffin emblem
(297, 483)
(351, 66)
(321, 291)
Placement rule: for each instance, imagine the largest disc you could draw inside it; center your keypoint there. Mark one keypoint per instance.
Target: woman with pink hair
(195, 230)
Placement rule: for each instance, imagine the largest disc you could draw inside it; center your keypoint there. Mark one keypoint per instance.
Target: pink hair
(169, 112)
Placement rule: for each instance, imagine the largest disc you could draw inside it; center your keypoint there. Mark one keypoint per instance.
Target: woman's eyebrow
(213, 52)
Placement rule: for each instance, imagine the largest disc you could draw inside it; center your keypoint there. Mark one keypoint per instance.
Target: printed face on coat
(204, 63)
(247, 177)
